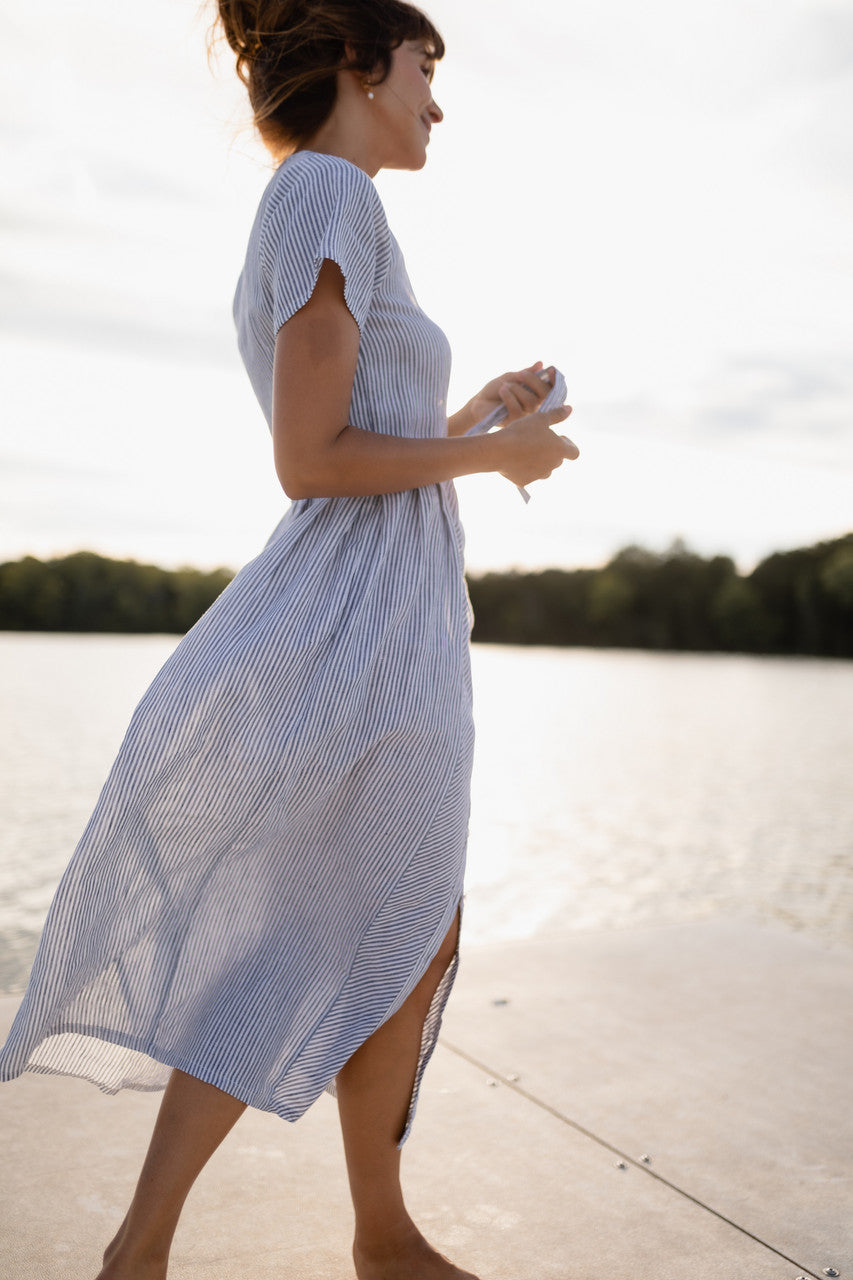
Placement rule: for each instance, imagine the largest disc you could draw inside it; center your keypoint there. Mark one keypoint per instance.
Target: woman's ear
(359, 80)
(351, 84)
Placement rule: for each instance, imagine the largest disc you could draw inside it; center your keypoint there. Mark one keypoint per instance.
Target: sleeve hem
(336, 215)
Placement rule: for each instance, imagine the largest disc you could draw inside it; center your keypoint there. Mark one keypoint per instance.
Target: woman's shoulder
(326, 179)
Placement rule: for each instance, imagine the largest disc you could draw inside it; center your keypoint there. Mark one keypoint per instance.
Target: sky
(655, 198)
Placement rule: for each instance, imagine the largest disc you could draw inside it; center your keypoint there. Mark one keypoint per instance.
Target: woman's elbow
(312, 470)
(299, 479)
(294, 484)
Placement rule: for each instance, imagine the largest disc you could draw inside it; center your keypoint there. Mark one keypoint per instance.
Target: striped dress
(279, 848)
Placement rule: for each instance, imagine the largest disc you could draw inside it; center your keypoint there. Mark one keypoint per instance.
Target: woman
(265, 902)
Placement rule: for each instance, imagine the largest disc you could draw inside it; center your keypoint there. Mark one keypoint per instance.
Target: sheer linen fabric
(279, 848)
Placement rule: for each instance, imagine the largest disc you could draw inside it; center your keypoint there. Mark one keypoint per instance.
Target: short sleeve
(325, 207)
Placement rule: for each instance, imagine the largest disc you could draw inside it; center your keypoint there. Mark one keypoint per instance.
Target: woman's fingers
(519, 398)
(511, 400)
(521, 392)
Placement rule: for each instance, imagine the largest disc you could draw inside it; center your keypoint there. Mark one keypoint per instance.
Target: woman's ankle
(123, 1258)
(116, 1269)
(380, 1239)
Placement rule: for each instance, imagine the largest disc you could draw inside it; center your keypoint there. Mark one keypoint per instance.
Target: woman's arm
(318, 454)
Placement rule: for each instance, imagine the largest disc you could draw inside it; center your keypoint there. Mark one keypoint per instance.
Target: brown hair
(289, 53)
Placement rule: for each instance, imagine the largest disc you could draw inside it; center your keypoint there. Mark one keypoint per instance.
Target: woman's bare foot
(408, 1258)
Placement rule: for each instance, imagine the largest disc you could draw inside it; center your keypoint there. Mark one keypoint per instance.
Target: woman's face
(404, 107)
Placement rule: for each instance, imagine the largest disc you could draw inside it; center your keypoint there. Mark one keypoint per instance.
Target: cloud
(17, 469)
(796, 398)
(799, 408)
(116, 322)
(820, 46)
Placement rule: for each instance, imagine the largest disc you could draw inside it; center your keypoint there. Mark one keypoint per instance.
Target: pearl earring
(367, 89)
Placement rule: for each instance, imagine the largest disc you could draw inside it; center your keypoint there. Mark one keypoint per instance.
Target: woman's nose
(435, 112)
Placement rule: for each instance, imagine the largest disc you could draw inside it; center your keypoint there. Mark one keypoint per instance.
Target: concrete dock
(655, 1102)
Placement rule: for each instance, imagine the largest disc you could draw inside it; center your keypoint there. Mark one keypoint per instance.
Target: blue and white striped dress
(279, 848)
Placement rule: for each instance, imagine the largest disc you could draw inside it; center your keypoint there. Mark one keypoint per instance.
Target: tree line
(793, 602)
(88, 592)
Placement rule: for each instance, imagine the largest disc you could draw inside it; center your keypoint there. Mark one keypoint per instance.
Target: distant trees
(87, 592)
(794, 602)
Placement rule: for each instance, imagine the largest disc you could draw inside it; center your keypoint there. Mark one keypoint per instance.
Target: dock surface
(660, 1102)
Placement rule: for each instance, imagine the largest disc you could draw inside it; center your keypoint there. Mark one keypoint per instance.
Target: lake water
(611, 788)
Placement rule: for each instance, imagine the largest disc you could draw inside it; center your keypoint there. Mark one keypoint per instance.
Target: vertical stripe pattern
(279, 848)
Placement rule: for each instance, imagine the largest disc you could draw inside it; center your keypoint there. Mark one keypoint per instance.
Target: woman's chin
(413, 158)
(413, 163)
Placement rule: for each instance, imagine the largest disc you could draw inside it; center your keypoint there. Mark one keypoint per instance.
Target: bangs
(386, 24)
(417, 26)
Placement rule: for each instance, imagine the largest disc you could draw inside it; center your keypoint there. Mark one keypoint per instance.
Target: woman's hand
(531, 450)
(520, 393)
